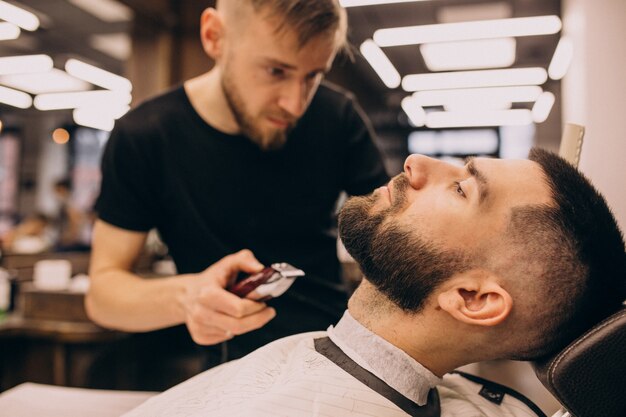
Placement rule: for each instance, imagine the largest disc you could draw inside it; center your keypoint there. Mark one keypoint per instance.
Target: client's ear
(475, 297)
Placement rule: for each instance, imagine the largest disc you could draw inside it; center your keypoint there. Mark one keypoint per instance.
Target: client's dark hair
(580, 249)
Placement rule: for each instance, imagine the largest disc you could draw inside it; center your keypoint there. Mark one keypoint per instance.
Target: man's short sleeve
(364, 169)
(127, 197)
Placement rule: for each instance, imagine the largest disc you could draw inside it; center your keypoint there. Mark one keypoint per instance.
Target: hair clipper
(271, 282)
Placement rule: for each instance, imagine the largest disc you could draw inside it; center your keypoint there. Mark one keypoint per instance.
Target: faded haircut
(309, 18)
(573, 256)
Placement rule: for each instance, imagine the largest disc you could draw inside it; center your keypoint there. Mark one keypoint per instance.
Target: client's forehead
(514, 182)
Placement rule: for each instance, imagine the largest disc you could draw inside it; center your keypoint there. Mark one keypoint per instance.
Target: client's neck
(419, 335)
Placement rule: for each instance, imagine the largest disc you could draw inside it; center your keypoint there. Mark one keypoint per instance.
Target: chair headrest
(589, 376)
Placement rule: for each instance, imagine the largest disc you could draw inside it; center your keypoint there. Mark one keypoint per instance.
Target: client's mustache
(398, 186)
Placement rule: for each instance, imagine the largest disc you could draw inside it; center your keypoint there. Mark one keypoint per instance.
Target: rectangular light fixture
(465, 31)
(18, 16)
(445, 119)
(487, 105)
(466, 55)
(15, 98)
(97, 76)
(356, 3)
(474, 79)
(25, 64)
(93, 99)
(477, 96)
(543, 106)
(415, 112)
(106, 10)
(562, 58)
(9, 31)
(474, 11)
(94, 121)
(381, 64)
(451, 142)
(51, 81)
(105, 112)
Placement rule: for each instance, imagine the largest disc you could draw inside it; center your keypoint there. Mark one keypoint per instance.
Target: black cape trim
(328, 348)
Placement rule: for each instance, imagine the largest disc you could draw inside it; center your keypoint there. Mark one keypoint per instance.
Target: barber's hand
(213, 314)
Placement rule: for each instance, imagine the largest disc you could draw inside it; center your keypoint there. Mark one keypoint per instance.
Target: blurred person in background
(31, 235)
(62, 231)
(70, 222)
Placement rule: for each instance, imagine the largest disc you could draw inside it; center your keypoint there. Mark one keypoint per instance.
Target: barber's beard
(269, 140)
(397, 261)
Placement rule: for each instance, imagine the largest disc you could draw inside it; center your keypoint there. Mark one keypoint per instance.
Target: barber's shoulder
(468, 395)
(152, 112)
(333, 105)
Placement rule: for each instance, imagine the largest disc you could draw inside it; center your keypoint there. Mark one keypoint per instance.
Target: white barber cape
(290, 378)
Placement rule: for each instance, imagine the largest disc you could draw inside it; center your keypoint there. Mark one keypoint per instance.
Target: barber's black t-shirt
(210, 194)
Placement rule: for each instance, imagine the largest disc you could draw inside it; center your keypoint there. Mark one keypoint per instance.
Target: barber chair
(588, 377)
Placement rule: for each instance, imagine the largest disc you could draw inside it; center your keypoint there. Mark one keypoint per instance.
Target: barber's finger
(255, 296)
(206, 321)
(228, 303)
(236, 326)
(224, 269)
(209, 335)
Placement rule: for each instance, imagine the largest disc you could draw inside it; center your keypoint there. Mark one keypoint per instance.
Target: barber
(250, 155)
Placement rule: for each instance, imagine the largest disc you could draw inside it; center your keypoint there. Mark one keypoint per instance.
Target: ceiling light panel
(104, 112)
(25, 64)
(97, 76)
(477, 96)
(106, 10)
(381, 64)
(88, 119)
(543, 106)
(18, 16)
(15, 98)
(415, 112)
(445, 119)
(561, 60)
(472, 12)
(51, 81)
(465, 55)
(473, 79)
(482, 105)
(451, 142)
(9, 31)
(451, 32)
(91, 99)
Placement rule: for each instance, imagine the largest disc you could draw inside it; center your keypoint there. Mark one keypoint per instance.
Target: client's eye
(459, 189)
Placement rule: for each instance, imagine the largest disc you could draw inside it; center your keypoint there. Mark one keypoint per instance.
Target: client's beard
(398, 262)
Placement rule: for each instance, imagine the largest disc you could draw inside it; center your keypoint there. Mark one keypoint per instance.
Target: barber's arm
(122, 300)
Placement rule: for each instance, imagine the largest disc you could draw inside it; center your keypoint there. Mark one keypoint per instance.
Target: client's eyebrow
(481, 180)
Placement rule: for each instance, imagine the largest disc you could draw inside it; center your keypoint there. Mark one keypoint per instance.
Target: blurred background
(447, 78)
(430, 82)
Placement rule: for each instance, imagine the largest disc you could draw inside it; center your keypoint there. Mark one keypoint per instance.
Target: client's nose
(416, 170)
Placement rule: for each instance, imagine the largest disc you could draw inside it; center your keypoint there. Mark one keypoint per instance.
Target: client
(500, 259)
